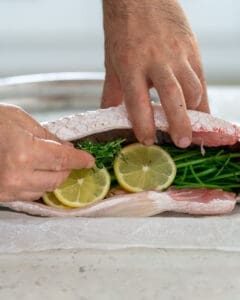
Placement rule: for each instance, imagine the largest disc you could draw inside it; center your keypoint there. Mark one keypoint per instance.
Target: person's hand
(149, 43)
(32, 159)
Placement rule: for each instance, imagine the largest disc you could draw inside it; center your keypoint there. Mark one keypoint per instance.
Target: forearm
(125, 7)
(169, 10)
(127, 19)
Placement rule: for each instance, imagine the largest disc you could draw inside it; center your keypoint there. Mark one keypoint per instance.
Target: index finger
(139, 108)
(52, 156)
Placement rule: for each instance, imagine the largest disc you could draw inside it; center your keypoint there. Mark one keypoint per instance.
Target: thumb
(112, 93)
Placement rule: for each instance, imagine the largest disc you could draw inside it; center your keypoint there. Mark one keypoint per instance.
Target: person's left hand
(32, 159)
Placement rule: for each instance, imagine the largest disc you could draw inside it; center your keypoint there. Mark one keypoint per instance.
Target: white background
(66, 35)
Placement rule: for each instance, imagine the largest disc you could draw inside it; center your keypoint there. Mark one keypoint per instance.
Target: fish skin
(144, 204)
(207, 131)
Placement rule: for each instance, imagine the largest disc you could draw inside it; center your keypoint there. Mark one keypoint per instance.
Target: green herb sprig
(104, 153)
(218, 168)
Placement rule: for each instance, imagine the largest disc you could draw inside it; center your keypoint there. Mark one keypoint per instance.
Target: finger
(112, 93)
(23, 196)
(190, 84)
(29, 196)
(42, 133)
(52, 156)
(172, 99)
(45, 181)
(67, 144)
(29, 124)
(196, 65)
(136, 98)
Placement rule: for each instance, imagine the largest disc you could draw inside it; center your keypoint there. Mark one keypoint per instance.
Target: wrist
(129, 8)
(128, 15)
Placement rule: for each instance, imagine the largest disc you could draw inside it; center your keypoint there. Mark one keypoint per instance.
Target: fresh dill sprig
(104, 152)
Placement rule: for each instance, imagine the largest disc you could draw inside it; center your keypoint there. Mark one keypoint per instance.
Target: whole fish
(111, 123)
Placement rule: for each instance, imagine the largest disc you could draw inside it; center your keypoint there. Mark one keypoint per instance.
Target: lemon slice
(140, 168)
(51, 200)
(83, 187)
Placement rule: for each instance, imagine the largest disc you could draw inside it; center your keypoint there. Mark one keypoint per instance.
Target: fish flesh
(106, 123)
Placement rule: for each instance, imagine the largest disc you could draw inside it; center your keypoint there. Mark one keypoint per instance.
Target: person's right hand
(32, 160)
(150, 44)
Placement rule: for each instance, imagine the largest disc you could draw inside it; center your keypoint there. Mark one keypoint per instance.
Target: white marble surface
(115, 275)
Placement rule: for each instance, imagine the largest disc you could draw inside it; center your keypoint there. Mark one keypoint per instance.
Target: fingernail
(91, 164)
(184, 142)
(148, 142)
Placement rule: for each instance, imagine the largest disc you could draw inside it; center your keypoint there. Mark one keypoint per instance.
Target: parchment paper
(20, 232)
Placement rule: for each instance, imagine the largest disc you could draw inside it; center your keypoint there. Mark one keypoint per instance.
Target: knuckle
(176, 46)
(195, 96)
(154, 52)
(64, 161)
(21, 157)
(171, 87)
(192, 41)
(197, 92)
(126, 59)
